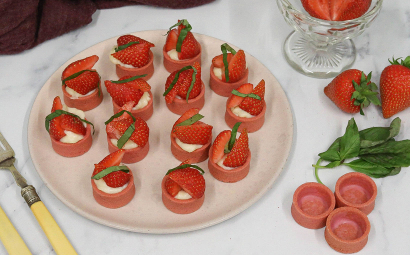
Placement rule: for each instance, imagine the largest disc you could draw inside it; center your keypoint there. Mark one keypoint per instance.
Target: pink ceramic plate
(69, 179)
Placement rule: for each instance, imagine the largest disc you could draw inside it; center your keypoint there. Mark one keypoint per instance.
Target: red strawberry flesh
(79, 65)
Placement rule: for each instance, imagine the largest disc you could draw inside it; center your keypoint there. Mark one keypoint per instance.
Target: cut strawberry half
(136, 55)
(236, 67)
(84, 83)
(171, 42)
(124, 39)
(117, 127)
(197, 133)
(188, 114)
(254, 106)
(240, 151)
(219, 145)
(122, 94)
(218, 60)
(190, 180)
(336, 10)
(234, 100)
(117, 178)
(172, 187)
(79, 65)
(182, 40)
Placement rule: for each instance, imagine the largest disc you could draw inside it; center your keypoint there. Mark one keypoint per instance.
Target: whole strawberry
(352, 91)
(395, 87)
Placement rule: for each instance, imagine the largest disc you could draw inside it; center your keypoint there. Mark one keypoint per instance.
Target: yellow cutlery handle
(53, 232)
(10, 237)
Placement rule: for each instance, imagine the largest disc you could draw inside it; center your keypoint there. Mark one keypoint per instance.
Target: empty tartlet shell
(144, 113)
(196, 156)
(180, 106)
(84, 103)
(233, 175)
(251, 124)
(318, 193)
(362, 184)
(131, 155)
(70, 150)
(178, 205)
(225, 88)
(174, 65)
(148, 69)
(114, 200)
(347, 215)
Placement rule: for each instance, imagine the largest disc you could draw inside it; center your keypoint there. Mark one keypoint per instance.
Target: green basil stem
(191, 120)
(316, 171)
(224, 48)
(117, 49)
(233, 137)
(129, 79)
(58, 113)
(251, 95)
(174, 81)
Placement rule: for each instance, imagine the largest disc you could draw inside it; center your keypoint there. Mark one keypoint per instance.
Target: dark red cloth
(27, 23)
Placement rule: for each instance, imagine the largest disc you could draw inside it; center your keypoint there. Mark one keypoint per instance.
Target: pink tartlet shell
(177, 205)
(225, 88)
(84, 103)
(115, 200)
(196, 156)
(180, 106)
(361, 194)
(148, 69)
(230, 176)
(251, 124)
(131, 155)
(70, 150)
(314, 193)
(174, 65)
(144, 113)
(352, 222)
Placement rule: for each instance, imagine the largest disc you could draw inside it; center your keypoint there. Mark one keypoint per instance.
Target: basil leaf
(129, 79)
(388, 159)
(251, 95)
(377, 135)
(57, 113)
(109, 170)
(118, 114)
(391, 146)
(333, 164)
(332, 154)
(370, 169)
(395, 171)
(186, 166)
(174, 81)
(224, 48)
(350, 141)
(233, 137)
(191, 120)
(126, 136)
(117, 49)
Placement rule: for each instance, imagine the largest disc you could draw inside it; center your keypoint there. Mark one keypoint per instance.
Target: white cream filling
(143, 101)
(71, 137)
(182, 195)
(75, 95)
(241, 113)
(220, 163)
(116, 61)
(188, 147)
(101, 185)
(218, 72)
(128, 145)
(173, 54)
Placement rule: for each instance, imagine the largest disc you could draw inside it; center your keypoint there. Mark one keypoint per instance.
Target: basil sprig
(117, 49)
(231, 142)
(225, 48)
(251, 95)
(129, 79)
(174, 81)
(376, 151)
(109, 170)
(75, 75)
(58, 113)
(186, 166)
(128, 133)
(182, 34)
(191, 120)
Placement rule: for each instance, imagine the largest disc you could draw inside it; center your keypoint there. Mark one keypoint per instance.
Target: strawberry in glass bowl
(181, 48)
(132, 57)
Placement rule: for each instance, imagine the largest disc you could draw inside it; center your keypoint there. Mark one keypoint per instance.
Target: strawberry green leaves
(365, 93)
(379, 155)
(405, 62)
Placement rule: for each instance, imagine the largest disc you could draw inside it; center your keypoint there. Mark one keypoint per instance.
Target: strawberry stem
(58, 113)
(233, 137)
(405, 62)
(174, 81)
(109, 170)
(129, 79)
(186, 166)
(251, 95)
(224, 48)
(191, 120)
(365, 93)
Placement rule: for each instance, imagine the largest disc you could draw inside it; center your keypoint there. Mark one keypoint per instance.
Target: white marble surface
(266, 227)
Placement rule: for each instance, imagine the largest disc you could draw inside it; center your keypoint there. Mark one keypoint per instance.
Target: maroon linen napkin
(27, 23)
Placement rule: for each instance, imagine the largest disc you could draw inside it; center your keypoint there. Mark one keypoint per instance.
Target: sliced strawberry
(73, 124)
(254, 106)
(189, 48)
(186, 80)
(121, 94)
(172, 187)
(116, 128)
(124, 39)
(190, 180)
(55, 129)
(197, 133)
(236, 67)
(237, 100)
(79, 65)
(240, 151)
(84, 83)
(138, 84)
(136, 55)
(57, 105)
(169, 98)
(188, 114)
(117, 178)
(219, 145)
(171, 42)
(218, 60)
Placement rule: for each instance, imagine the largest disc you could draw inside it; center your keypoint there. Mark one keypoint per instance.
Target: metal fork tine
(6, 152)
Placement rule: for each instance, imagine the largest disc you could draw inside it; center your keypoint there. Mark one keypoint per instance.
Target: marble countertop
(267, 226)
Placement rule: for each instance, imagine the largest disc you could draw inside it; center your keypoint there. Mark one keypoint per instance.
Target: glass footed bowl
(322, 48)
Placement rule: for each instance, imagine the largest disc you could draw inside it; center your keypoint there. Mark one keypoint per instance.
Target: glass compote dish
(322, 48)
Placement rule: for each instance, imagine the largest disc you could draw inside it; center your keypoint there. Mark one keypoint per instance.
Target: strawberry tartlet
(183, 188)
(191, 138)
(132, 89)
(112, 183)
(133, 57)
(228, 71)
(70, 133)
(125, 131)
(181, 48)
(184, 89)
(247, 105)
(229, 158)
(82, 85)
